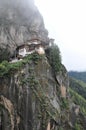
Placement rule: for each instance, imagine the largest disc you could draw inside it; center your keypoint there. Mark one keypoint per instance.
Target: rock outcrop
(20, 21)
(30, 97)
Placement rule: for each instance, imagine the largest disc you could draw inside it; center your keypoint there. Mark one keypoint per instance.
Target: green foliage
(64, 103)
(78, 93)
(4, 68)
(54, 57)
(78, 86)
(4, 54)
(60, 128)
(78, 126)
(35, 57)
(7, 68)
(79, 100)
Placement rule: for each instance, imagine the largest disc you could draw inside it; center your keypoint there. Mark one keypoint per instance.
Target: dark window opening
(32, 47)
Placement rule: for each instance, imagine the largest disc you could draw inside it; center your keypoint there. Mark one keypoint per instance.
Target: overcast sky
(66, 22)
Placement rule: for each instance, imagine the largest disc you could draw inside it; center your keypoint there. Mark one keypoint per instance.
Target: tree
(54, 57)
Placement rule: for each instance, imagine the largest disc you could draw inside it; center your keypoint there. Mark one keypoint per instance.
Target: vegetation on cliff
(7, 68)
(54, 57)
(38, 79)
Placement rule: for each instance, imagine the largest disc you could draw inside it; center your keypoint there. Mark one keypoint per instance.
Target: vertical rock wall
(30, 97)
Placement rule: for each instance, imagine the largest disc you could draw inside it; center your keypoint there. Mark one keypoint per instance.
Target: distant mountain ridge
(78, 75)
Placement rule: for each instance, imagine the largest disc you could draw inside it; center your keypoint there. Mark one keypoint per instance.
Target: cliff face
(20, 21)
(32, 95)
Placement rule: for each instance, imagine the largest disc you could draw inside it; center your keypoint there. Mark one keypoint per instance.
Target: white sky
(66, 22)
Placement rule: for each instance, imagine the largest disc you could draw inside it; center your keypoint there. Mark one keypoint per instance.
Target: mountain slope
(78, 86)
(78, 75)
(78, 92)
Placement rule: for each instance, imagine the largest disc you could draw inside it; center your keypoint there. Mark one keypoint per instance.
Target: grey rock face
(31, 98)
(33, 104)
(20, 21)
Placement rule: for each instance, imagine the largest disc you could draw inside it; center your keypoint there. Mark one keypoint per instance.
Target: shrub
(78, 126)
(4, 68)
(4, 54)
(64, 103)
(54, 57)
